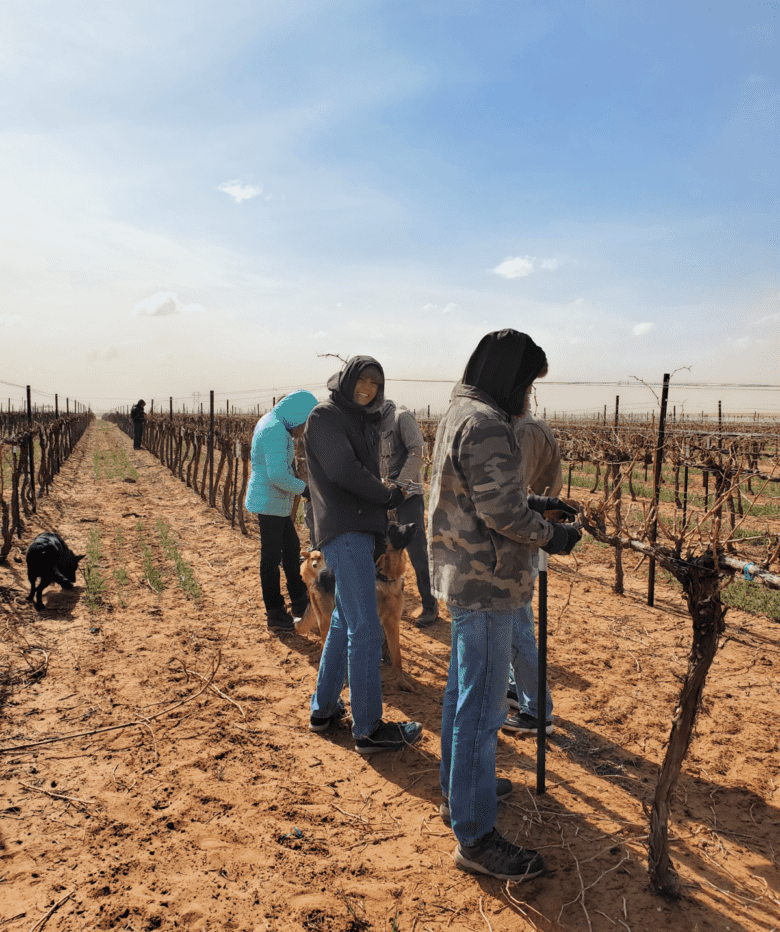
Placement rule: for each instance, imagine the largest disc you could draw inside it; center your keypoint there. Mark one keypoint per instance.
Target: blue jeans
(524, 668)
(412, 511)
(354, 641)
(475, 707)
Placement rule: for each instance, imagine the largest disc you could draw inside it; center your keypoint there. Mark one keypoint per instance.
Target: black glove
(564, 539)
(306, 493)
(395, 498)
(541, 503)
(380, 546)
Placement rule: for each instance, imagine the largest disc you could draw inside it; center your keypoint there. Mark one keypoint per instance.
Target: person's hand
(306, 493)
(565, 538)
(541, 503)
(395, 498)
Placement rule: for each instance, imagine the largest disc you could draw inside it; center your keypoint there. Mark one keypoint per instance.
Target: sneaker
(526, 724)
(426, 618)
(389, 736)
(503, 790)
(496, 856)
(280, 620)
(323, 722)
(513, 698)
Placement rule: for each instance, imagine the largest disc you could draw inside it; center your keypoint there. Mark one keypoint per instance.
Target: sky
(227, 196)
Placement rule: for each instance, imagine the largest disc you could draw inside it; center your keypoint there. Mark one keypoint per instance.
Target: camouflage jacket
(481, 532)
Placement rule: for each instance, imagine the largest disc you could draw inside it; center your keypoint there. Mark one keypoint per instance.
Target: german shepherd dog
(50, 559)
(321, 584)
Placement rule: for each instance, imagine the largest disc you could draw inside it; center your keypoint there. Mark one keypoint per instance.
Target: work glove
(564, 539)
(306, 493)
(395, 498)
(541, 503)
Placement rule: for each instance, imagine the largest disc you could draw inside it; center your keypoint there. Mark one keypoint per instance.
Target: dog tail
(307, 622)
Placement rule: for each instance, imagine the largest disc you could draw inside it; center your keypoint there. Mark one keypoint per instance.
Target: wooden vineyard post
(541, 685)
(619, 587)
(170, 433)
(235, 481)
(659, 458)
(211, 449)
(31, 453)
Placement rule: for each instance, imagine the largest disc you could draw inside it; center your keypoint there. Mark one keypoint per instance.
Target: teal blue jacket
(272, 483)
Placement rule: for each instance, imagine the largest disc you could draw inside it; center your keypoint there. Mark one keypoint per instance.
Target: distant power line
(731, 385)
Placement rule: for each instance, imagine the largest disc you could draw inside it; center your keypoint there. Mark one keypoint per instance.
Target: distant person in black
(137, 417)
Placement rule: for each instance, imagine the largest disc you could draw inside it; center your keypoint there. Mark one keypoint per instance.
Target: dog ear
(406, 534)
(80, 557)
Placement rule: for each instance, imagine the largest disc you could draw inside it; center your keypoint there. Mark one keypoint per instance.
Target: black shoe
(496, 856)
(503, 791)
(323, 722)
(526, 724)
(513, 698)
(280, 620)
(426, 618)
(389, 736)
(299, 608)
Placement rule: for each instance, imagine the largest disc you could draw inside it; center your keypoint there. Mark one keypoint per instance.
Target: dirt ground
(212, 807)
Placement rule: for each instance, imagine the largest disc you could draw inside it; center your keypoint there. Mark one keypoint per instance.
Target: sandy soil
(219, 810)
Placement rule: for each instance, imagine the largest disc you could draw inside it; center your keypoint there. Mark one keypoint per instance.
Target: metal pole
(659, 457)
(541, 686)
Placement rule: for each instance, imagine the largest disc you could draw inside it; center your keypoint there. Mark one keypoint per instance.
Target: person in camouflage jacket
(482, 530)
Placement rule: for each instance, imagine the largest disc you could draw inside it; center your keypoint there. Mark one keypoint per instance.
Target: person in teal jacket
(272, 488)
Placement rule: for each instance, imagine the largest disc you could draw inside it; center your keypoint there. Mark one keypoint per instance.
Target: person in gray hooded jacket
(401, 461)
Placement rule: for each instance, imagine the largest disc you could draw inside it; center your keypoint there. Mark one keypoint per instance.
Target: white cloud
(519, 267)
(447, 309)
(641, 329)
(318, 335)
(238, 191)
(164, 304)
(769, 319)
(105, 355)
(10, 320)
(522, 266)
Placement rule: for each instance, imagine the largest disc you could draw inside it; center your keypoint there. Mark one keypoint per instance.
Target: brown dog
(321, 584)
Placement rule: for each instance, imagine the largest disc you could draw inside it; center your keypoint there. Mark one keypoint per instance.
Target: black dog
(50, 559)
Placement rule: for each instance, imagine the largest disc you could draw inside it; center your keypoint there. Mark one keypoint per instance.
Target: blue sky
(203, 196)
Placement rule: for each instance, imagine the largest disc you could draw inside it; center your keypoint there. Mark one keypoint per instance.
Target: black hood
(503, 366)
(342, 387)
